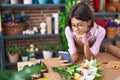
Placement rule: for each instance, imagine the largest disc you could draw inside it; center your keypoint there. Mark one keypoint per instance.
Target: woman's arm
(87, 52)
(75, 57)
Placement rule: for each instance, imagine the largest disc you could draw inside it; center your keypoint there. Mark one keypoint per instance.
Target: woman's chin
(80, 33)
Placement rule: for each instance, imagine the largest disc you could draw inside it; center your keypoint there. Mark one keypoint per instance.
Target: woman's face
(79, 27)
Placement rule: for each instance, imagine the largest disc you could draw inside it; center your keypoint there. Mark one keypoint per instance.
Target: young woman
(84, 36)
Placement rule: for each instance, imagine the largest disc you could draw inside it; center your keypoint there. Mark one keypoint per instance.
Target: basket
(13, 29)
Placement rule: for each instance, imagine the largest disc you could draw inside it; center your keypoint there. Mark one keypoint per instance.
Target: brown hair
(82, 12)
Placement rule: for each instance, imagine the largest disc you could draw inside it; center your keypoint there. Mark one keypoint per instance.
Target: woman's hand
(84, 39)
(64, 63)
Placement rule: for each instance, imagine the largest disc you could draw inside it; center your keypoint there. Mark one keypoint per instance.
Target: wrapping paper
(114, 50)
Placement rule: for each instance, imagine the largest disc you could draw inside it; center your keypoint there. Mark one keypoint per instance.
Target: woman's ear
(89, 22)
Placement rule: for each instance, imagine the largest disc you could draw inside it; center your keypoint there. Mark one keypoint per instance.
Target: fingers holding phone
(65, 58)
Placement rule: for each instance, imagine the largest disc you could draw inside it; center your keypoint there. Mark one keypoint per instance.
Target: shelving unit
(3, 62)
(3, 38)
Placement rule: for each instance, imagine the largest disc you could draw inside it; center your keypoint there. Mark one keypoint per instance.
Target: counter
(107, 59)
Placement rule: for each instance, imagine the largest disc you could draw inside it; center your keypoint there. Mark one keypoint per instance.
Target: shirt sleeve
(99, 38)
(71, 45)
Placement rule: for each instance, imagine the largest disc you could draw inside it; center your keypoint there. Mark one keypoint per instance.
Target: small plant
(47, 46)
(24, 53)
(13, 49)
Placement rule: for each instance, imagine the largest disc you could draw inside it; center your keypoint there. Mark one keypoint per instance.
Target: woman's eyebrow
(77, 23)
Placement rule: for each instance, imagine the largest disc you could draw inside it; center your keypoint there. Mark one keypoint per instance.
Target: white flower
(90, 72)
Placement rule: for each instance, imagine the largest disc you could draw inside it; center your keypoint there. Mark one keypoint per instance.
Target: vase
(57, 1)
(24, 58)
(27, 1)
(56, 17)
(31, 55)
(47, 54)
(13, 1)
(42, 1)
(13, 58)
(111, 32)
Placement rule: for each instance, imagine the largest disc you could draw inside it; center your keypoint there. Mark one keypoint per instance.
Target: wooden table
(109, 73)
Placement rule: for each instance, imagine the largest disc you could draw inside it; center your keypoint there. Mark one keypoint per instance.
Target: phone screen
(66, 56)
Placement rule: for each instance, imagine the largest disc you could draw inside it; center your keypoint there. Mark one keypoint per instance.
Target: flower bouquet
(88, 70)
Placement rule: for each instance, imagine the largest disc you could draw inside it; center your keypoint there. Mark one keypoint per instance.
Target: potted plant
(13, 52)
(13, 22)
(32, 49)
(47, 49)
(24, 55)
(112, 28)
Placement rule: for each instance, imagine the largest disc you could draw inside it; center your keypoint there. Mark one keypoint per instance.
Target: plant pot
(57, 1)
(47, 54)
(31, 55)
(111, 32)
(13, 58)
(24, 58)
(42, 1)
(14, 1)
(27, 1)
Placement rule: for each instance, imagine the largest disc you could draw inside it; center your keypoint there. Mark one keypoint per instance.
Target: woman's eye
(73, 25)
(80, 25)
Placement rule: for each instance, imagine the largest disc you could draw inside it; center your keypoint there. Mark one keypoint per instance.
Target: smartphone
(66, 56)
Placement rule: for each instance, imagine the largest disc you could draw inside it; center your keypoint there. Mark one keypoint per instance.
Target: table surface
(109, 73)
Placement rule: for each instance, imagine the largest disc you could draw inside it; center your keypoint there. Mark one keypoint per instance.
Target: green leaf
(21, 75)
(97, 64)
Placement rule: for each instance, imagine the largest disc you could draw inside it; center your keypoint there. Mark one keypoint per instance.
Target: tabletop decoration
(115, 66)
(88, 70)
